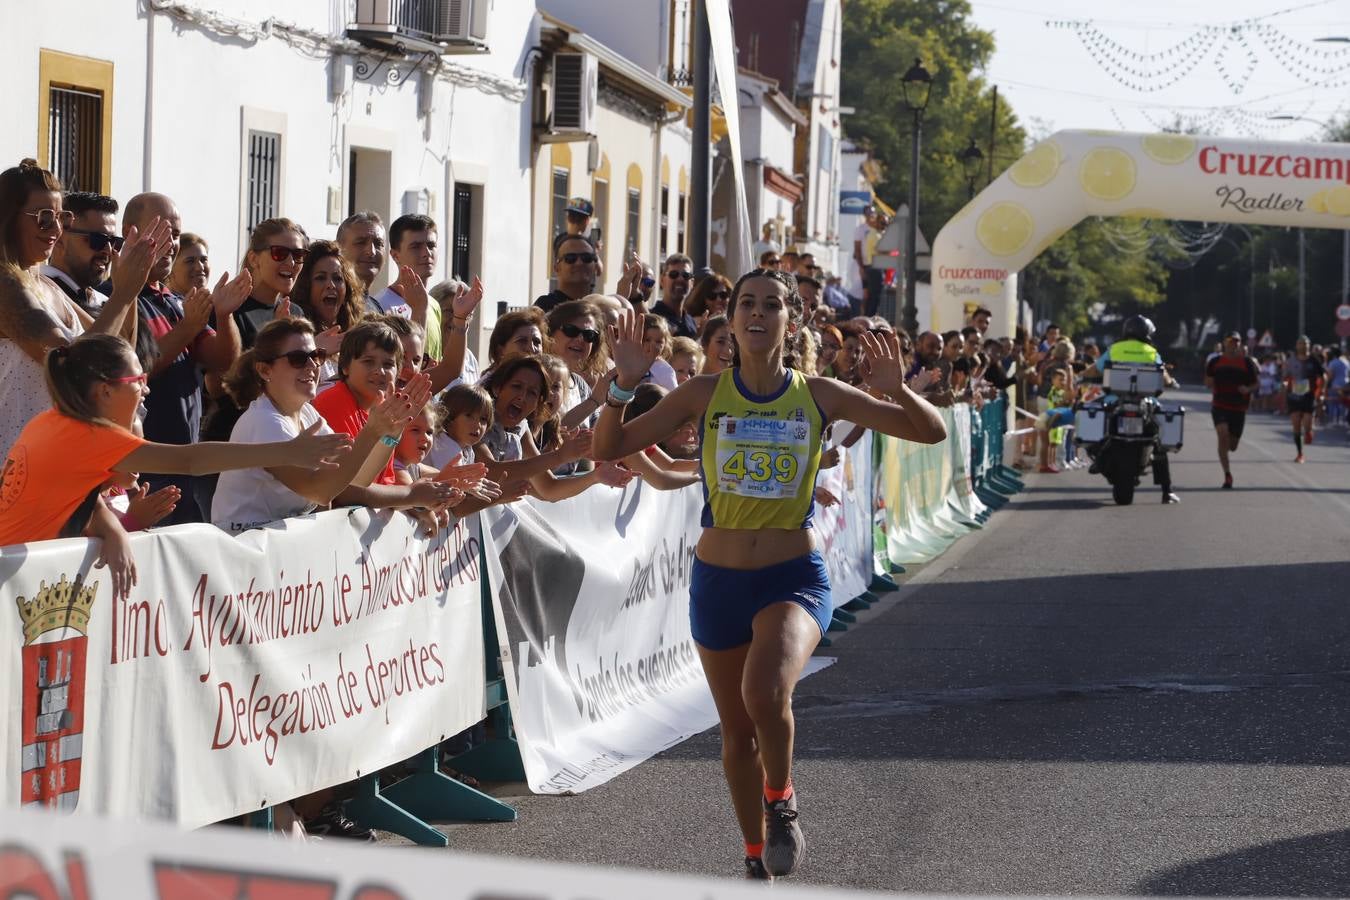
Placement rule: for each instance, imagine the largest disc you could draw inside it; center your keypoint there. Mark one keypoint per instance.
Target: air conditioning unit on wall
(463, 22)
(575, 95)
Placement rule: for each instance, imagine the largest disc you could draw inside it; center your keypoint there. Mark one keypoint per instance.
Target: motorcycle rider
(1136, 348)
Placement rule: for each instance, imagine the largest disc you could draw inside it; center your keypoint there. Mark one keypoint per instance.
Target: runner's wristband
(619, 395)
(388, 440)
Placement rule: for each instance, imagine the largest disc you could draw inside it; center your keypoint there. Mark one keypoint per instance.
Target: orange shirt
(52, 468)
(338, 407)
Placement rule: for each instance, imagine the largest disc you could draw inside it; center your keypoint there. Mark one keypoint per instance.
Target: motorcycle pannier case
(1123, 378)
(1171, 421)
(1089, 423)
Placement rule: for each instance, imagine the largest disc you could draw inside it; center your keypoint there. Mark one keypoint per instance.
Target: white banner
(242, 672)
(44, 855)
(592, 603)
(844, 531)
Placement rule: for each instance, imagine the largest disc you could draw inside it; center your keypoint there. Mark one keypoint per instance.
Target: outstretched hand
(140, 251)
(229, 295)
(884, 371)
(631, 360)
(411, 288)
(463, 306)
(311, 450)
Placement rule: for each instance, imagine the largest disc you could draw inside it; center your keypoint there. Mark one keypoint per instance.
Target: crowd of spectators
(292, 383)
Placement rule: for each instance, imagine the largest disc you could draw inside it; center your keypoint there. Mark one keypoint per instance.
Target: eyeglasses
(590, 334)
(298, 359)
(720, 295)
(648, 282)
(572, 258)
(674, 274)
(142, 378)
(98, 240)
(279, 253)
(47, 219)
(773, 262)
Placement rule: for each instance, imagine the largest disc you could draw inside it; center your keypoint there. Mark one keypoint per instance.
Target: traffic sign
(1343, 328)
(1343, 312)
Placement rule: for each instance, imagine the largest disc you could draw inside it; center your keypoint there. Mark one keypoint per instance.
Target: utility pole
(1302, 287)
(700, 189)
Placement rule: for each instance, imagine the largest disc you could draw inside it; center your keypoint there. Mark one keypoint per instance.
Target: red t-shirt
(52, 468)
(339, 409)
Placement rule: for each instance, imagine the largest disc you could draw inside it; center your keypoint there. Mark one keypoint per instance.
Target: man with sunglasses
(82, 256)
(677, 275)
(575, 265)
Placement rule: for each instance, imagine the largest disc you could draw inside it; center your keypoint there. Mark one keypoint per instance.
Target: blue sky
(1274, 66)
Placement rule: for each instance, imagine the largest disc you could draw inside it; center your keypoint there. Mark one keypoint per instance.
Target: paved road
(1079, 699)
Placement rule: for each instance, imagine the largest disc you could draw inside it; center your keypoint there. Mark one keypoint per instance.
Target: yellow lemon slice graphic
(1038, 166)
(1338, 200)
(1318, 202)
(1168, 149)
(1107, 173)
(1004, 228)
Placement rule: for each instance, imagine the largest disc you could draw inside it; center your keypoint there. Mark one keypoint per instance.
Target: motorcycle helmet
(1139, 328)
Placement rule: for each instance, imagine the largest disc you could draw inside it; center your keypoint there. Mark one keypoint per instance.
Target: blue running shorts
(724, 602)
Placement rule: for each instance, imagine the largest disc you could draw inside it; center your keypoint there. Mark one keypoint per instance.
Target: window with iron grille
(630, 242)
(264, 177)
(459, 251)
(665, 220)
(76, 143)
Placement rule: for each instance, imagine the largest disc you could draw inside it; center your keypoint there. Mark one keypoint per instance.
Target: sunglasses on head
(98, 240)
(673, 274)
(573, 258)
(47, 219)
(590, 334)
(279, 253)
(298, 359)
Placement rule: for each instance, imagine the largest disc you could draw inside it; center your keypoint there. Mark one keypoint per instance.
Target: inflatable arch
(1075, 174)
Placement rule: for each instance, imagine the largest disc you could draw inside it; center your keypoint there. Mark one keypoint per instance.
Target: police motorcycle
(1130, 430)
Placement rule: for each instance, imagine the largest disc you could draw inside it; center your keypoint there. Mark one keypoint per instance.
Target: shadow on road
(1314, 866)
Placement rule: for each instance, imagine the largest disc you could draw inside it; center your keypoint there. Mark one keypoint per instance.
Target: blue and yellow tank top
(760, 455)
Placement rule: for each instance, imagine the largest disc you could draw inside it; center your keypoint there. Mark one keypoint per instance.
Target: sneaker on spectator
(332, 822)
(784, 844)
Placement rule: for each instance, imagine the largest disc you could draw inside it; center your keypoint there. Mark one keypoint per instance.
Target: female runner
(759, 594)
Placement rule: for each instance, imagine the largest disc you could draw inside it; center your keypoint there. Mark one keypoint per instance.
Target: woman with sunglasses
(276, 382)
(95, 386)
(759, 589)
(709, 298)
(575, 337)
(35, 314)
(276, 252)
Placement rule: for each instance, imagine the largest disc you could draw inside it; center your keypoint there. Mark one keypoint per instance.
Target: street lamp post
(917, 85)
(1345, 235)
(971, 159)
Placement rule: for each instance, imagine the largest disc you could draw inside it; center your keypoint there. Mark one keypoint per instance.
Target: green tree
(881, 40)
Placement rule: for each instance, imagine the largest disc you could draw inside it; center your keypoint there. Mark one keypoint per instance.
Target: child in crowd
(519, 385)
(465, 418)
(368, 363)
(719, 346)
(656, 340)
(410, 466)
(548, 433)
(686, 358)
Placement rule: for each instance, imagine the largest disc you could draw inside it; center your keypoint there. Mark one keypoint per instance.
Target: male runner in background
(1232, 376)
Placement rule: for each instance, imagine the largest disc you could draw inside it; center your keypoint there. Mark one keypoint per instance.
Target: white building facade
(239, 115)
